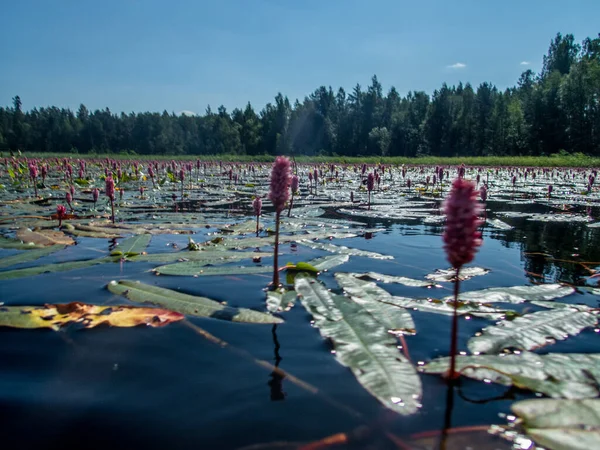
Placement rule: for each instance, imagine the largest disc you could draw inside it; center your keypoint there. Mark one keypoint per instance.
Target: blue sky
(181, 55)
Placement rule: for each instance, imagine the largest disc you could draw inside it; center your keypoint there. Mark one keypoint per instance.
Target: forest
(554, 111)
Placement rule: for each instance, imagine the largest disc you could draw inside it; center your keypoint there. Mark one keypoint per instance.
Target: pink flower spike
(461, 238)
(280, 183)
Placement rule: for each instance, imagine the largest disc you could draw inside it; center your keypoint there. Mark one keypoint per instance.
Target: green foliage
(544, 114)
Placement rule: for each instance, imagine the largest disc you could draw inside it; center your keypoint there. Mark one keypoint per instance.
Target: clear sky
(181, 55)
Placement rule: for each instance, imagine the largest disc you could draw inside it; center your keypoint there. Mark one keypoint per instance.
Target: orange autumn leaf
(85, 315)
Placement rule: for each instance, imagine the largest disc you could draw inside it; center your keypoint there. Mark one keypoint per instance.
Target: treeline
(555, 110)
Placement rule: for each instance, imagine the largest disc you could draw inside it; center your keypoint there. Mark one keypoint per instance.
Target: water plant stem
(454, 333)
(276, 255)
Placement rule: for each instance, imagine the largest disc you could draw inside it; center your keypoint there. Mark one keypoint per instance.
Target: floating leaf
(342, 250)
(450, 274)
(316, 298)
(186, 304)
(205, 256)
(392, 279)
(17, 245)
(132, 246)
(371, 353)
(497, 223)
(561, 424)
(44, 237)
(377, 302)
(28, 256)
(52, 268)
(556, 375)
(431, 305)
(87, 316)
(200, 268)
(329, 262)
(533, 330)
(516, 294)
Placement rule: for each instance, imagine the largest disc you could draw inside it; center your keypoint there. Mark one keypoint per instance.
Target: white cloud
(187, 113)
(524, 63)
(457, 65)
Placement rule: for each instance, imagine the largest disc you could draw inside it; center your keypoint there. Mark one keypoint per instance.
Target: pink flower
(295, 183)
(33, 171)
(483, 193)
(280, 183)
(61, 211)
(462, 209)
(110, 188)
(95, 194)
(257, 206)
(182, 175)
(69, 198)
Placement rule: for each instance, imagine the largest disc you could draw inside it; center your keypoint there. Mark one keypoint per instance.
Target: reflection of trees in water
(561, 241)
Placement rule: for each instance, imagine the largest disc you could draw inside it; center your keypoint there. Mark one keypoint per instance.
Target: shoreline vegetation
(553, 112)
(557, 160)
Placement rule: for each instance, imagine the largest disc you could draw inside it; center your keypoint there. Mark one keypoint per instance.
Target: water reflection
(276, 377)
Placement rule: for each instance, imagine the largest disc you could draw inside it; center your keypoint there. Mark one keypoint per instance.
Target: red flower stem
(257, 224)
(454, 333)
(276, 255)
(112, 210)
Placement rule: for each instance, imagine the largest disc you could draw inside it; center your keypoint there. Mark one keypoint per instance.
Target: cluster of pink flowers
(279, 192)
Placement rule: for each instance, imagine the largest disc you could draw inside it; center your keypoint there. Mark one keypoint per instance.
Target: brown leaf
(44, 237)
(88, 316)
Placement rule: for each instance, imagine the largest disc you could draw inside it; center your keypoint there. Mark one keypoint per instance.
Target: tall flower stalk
(295, 183)
(257, 206)
(109, 190)
(370, 185)
(61, 212)
(461, 241)
(279, 194)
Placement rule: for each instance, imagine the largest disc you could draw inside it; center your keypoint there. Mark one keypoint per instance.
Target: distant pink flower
(69, 199)
(370, 181)
(295, 183)
(279, 192)
(95, 194)
(110, 188)
(61, 211)
(462, 209)
(142, 191)
(72, 190)
(483, 193)
(257, 206)
(33, 171)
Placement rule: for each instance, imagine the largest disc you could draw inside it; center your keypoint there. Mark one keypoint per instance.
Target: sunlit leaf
(449, 275)
(555, 375)
(516, 294)
(280, 300)
(186, 304)
(392, 279)
(199, 268)
(342, 250)
(534, 330)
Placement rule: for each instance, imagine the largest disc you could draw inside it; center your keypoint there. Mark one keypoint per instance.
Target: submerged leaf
(555, 374)
(561, 424)
(186, 304)
(533, 330)
(87, 316)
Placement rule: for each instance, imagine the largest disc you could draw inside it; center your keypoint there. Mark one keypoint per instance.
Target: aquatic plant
(279, 193)
(461, 241)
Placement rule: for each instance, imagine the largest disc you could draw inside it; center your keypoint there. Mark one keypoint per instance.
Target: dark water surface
(172, 388)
